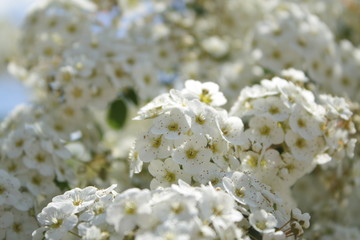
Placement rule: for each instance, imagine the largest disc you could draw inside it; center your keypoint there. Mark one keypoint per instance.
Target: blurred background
(12, 91)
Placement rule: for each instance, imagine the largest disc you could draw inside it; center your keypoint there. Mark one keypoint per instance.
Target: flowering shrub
(182, 120)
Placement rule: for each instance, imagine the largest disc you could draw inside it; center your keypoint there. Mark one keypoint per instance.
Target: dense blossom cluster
(267, 124)
(176, 212)
(275, 130)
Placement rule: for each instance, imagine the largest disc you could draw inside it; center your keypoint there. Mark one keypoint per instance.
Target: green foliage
(117, 113)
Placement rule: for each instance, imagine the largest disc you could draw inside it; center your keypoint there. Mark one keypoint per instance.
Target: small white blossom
(173, 124)
(193, 154)
(58, 219)
(166, 173)
(262, 221)
(207, 92)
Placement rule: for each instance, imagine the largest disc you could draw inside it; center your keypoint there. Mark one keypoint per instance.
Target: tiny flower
(301, 148)
(231, 128)
(152, 146)
(262, 221)
(265, 131)
(207, 92)
(172, 124)
(305, 124)
(218, 207)
(202, 117)
(302, 218)
(166, 173)
(129, 209)
(193, 154)
(271, 107)
(9, 189)
(37, 158)
(80, 198)
(58, 218)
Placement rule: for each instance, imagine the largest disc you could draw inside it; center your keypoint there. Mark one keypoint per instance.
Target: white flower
(175, 206)
(54, 146)
(210, 172)
(22, 226)
(231, 128)
(89, 232)
(262, 221)
(301, 148)
(202, 231)
(166, 173)
(271, 107)
(268, 163)
(96, 213)
(292, 169)
(172, 124)
(294, 75)
(202, 117)
(151, 146)
(207, 92)
(77, 93)
(170, 229)
(215, 46)
(219, 148)
(265, 131)
(129, 209)
(193, 154)
(58, 219)
(240, 187)
(15, 143)
(9, 189)
(38, 184)
(305, 124)
(80, 198)
(336, 106)
(291, 94)
(153, 109)
(302, 218)
(37, 158)
(218, 207)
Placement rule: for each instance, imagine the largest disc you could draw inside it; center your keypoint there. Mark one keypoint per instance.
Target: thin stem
(75, 234)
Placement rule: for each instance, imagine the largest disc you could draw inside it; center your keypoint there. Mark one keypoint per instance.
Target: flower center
(300, 143)
(177, 208)
(17, 227)
(301, 123)
(170, 177)
(156, 143)
(56, 223)
(265, 130)
(261, 225)
(274, 110)
(200, 119)
(173, 127)
(239, 192)
(130, 208)
(191, 153)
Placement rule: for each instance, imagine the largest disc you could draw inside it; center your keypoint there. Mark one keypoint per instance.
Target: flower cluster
(290, 131)
(79, 212)
(190, 136)
(32, 161)
(235, 167)
(275, 130)
(176, 212)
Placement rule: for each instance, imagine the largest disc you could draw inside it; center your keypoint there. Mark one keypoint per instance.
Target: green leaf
(131, 95)
(64, 186)
(117, 114)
